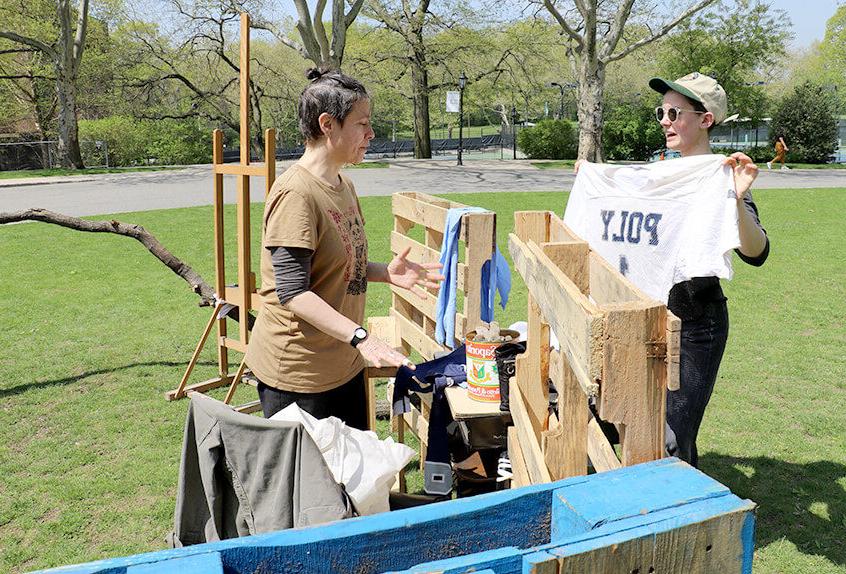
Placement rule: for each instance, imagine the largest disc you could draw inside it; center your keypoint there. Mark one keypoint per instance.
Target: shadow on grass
(16, 390)
(802, 503)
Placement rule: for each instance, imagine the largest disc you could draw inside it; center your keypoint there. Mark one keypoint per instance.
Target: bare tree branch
(661, 32)
(575, 36)
(197, 283)
(37, 44)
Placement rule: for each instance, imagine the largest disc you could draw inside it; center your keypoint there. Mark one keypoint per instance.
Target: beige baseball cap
(698, 87)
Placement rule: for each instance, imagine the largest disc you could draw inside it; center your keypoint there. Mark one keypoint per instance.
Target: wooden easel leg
(235, 380)
(180, 390)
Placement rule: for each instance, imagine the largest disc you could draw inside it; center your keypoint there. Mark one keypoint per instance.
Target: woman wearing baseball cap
(691, 107)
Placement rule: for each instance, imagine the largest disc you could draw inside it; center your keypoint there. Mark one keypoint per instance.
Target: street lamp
(462, 81)
(561, 87)
(560, 100)
(514, 131)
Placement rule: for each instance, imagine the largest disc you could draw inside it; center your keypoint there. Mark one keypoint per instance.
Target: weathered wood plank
(600, 451)
(479, 231)
(573, 258)
(532, 370)
(520, 474)
(535, 464)
(607, 285)
(577, 322)
(532, 226)
(706, 547)
(409, 207)
(414, 336)
(633, 389)
(565, 447)
(673, 359)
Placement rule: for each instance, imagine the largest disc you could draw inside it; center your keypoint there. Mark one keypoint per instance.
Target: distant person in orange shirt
(781, 153)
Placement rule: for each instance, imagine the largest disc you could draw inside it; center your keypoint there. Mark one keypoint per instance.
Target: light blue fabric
(496, 276)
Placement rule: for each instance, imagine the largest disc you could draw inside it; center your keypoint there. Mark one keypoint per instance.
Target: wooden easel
(243, 295)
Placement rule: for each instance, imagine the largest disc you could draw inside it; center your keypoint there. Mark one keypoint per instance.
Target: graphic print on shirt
(658, 224)
(351, 230)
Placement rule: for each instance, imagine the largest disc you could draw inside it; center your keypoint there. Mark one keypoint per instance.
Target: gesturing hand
(408, 275)
(379, 354)
(745, 172)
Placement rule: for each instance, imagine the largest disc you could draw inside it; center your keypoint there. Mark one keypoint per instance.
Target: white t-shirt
(659, 224)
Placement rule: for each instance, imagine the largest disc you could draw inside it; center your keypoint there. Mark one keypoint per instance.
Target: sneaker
(784, 167)
(769, 165)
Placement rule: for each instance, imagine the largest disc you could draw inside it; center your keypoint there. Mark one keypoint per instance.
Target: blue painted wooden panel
(497, 531)
(200, 563)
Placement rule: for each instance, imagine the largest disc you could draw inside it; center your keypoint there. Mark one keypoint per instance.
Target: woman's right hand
(577, 165)
(379, 354)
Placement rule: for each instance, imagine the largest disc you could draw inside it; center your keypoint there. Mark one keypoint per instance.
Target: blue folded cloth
(496, 276)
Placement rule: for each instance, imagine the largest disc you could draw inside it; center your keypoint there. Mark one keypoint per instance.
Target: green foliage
(631, 132)
(82, 480)
(731, 42)
(806, 120)
(549, 139)
(132, 142)
(760, 154)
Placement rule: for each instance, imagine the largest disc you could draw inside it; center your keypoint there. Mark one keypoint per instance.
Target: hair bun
(314, 74)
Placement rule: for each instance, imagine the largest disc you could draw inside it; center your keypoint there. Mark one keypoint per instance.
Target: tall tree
(595, 30)
(315, 44)
(431, 36)
(739, 44)
(65, 52)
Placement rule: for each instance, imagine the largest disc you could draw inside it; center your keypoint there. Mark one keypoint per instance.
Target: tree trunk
(69, 152)
(591, 91)
(420, 97)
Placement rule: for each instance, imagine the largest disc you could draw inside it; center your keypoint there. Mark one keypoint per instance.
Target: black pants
(347, 402)
(703, 341)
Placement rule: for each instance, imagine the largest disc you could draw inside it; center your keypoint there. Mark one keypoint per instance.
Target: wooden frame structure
(618, 347)
(243, 295)
(410, 324)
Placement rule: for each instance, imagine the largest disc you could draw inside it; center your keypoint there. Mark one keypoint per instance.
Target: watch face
(360, 333)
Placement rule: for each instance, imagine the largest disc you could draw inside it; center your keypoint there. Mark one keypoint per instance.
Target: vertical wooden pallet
(242, 295)
(410, 324)
(618, 348)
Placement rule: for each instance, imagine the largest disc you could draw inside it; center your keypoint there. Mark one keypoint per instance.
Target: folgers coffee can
(482, 372)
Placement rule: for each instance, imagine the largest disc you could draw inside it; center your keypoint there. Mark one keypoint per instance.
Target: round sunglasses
(672, 113)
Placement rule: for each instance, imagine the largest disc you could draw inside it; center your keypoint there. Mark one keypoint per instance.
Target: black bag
(506, 357)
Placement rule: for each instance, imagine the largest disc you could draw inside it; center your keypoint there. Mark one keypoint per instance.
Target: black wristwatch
(359, 335)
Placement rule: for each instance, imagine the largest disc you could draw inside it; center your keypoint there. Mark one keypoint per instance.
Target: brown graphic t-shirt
(286, 352)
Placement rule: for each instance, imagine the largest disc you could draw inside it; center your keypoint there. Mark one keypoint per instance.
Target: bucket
(482, 372)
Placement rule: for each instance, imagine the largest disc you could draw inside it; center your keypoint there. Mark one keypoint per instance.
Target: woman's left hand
(408, 275)
(745, 172)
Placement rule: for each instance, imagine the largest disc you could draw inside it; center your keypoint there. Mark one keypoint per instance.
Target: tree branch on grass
(197, 283)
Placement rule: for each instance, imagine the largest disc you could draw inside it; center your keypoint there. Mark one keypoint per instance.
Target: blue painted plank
(613, 496)
(522, 518)
(205, 563)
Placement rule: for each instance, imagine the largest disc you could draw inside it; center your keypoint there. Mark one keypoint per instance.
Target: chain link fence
(22, 155)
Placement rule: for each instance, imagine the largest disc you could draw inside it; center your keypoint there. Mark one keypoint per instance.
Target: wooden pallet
(617, 347)
(410, 323)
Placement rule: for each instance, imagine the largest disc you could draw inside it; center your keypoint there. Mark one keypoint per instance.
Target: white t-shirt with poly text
(659, 224)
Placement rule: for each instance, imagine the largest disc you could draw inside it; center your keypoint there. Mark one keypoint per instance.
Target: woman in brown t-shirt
(308, 346)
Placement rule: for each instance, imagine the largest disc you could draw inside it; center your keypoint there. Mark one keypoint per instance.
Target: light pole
(462, 81)
(560, 99)
(561, 87)
(514, 131)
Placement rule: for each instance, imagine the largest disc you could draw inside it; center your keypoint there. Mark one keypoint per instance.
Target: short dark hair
(700, 107)
(330, 92)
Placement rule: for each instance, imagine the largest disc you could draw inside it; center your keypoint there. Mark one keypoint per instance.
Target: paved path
(141, 191)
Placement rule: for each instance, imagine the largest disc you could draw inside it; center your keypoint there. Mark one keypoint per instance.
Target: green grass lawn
(97, 330)
(369, 165)
(555, 164)
(26, 173)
